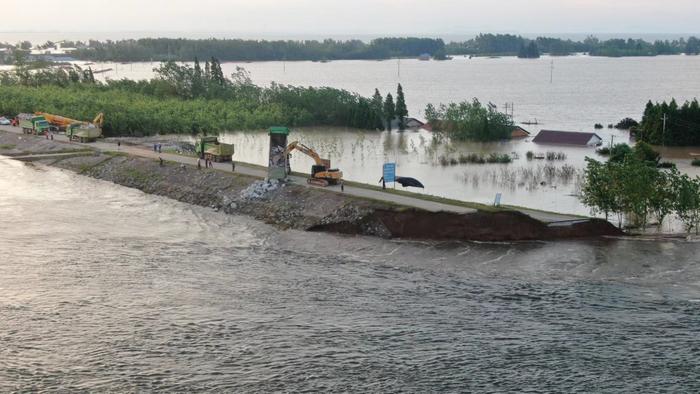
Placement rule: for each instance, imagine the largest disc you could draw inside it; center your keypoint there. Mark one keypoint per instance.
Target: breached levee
(479, 226)
(312, 209)
(301, 207)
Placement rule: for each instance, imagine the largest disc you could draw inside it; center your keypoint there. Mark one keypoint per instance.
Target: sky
(264, 18)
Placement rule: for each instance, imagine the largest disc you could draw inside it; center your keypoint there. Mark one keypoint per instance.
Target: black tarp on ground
(409, 182)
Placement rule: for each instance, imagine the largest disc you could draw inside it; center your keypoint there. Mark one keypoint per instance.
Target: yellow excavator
(321, 173)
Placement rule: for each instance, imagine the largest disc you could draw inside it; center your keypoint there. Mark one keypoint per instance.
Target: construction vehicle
(321, 173)
(210, 148)
(83, 132)
(63, 122)
(31, 124)
(77, 130)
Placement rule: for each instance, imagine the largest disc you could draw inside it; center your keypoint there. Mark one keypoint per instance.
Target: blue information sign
(389, 172)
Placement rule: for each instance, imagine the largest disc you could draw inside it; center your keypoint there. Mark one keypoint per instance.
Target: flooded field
(543, 184)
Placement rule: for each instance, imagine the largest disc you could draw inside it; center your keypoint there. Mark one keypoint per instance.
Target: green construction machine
(211, 149)
(33, 124)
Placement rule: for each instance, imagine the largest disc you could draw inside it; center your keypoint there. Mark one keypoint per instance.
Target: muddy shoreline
(287, 205)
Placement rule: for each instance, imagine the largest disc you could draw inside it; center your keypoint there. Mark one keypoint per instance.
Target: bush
(598, 126)
(646, 153)
(530, 155)
(695, 162)
(604, 151)
(666, 164)
(619, 152)
(626, 124)
(496, 158)
(551, 156)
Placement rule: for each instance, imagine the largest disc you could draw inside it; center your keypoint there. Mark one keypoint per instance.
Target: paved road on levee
(242, 168)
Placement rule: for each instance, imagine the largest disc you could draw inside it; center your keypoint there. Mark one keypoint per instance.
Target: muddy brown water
(104, 288)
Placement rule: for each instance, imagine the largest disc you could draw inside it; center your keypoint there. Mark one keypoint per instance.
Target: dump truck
(321, 172)
(82, 132)
(31, 124)
(211, 149)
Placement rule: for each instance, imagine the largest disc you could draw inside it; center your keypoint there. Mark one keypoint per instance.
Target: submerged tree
(469, 121)
(377, 105)
(389, 110)
(401, 110)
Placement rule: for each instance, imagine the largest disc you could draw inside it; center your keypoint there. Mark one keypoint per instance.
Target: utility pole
(512, 111)
(612, 139)
(398, 67)
(663, 133)
(551, 72)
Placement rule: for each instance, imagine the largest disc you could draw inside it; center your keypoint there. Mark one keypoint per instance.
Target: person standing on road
(199, 164)
(119, 144)
(155, 147)
(342, 186)
(160, 146)
(233, 166)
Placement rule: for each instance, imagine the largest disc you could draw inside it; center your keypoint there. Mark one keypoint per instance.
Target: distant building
(519, 132)
(567, 138)
(409, 123)
(413, 123)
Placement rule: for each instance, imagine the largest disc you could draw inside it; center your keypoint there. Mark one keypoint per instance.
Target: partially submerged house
(519, 132)
(553, 137)
(409, 123)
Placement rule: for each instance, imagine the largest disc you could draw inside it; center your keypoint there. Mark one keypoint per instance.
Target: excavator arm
(99, 120)
(65, 122)
(307, 151)
(321, 173)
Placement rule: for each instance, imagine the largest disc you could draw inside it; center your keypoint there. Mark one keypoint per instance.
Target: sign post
(389, 172)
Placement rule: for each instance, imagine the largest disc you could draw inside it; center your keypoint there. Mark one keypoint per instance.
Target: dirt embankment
(298, 206)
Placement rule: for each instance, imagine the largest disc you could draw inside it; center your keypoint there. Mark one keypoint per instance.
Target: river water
(104, 288)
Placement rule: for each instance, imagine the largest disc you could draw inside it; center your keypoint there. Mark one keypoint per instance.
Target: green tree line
(182, 99)
(681, 126)
(509, 44)
(180, 49)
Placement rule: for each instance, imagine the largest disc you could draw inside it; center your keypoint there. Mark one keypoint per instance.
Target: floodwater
(584, 90)
(104, 288)
(540, 184)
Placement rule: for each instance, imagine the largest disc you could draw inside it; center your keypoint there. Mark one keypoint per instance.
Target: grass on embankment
(427, 197)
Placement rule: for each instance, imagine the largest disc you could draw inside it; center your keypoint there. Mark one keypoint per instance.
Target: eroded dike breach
(298, 206)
